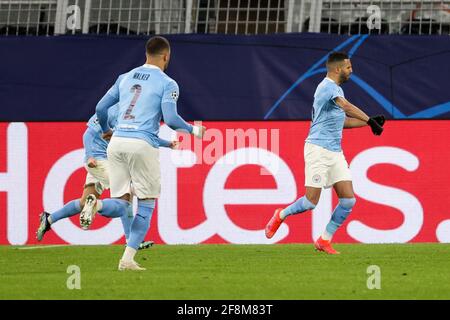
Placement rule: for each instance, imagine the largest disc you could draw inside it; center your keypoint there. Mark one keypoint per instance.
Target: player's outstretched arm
(175, 122)
(357, 114)
(170, 114)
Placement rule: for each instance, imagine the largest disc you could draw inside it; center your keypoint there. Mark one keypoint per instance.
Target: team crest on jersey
(175, 95)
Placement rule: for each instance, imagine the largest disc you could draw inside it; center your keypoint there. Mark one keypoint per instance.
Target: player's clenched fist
(376, 123)
(175, 145)
(380, 119)
(107, 135)
(91, 163)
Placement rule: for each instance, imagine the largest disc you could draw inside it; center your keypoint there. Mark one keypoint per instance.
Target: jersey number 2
(136, 89)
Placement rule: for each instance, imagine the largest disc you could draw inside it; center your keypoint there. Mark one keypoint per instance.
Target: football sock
(127, 220)
(141, 222)
(338, 217)
(114, 208)
(70, 209)
(301, 205)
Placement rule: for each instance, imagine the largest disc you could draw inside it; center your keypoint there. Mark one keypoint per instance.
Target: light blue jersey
(94, 145)
(145, 95)
(327, 117)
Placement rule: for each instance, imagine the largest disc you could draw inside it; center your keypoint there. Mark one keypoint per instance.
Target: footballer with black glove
(325, 164)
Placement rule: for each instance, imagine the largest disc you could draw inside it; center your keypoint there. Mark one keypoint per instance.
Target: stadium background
(251, 65)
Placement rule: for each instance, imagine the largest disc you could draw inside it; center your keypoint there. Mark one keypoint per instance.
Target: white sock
(327, 236)
(129, 254)
(49, 219)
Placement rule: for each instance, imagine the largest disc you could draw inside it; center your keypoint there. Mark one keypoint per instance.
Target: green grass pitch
(275, 272)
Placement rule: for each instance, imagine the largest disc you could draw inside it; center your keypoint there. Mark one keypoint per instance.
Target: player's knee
(313, 194)
(87, 185)
(347, 203)
(126, 197)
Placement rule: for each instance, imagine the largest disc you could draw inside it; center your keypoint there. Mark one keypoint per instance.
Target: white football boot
(130, 265)
(88, 213)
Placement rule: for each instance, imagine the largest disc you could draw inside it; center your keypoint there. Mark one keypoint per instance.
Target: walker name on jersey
(400, 185)
(141, 76)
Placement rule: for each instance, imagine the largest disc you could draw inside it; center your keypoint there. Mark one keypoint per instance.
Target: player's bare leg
(307, 202)
(344, 191)
(313, 194)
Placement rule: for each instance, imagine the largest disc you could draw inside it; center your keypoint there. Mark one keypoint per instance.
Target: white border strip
(44, 247)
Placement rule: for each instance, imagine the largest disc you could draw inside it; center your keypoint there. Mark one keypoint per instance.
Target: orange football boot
(274, 223)
(325, 246)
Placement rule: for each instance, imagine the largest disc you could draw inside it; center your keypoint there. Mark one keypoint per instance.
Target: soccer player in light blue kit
(145, 95)
(97, 180)
(325, 164)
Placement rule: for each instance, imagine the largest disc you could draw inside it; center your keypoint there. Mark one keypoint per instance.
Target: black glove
(375, 126)
(380, 119)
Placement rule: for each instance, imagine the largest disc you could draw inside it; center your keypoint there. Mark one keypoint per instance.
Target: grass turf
(280, 272)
